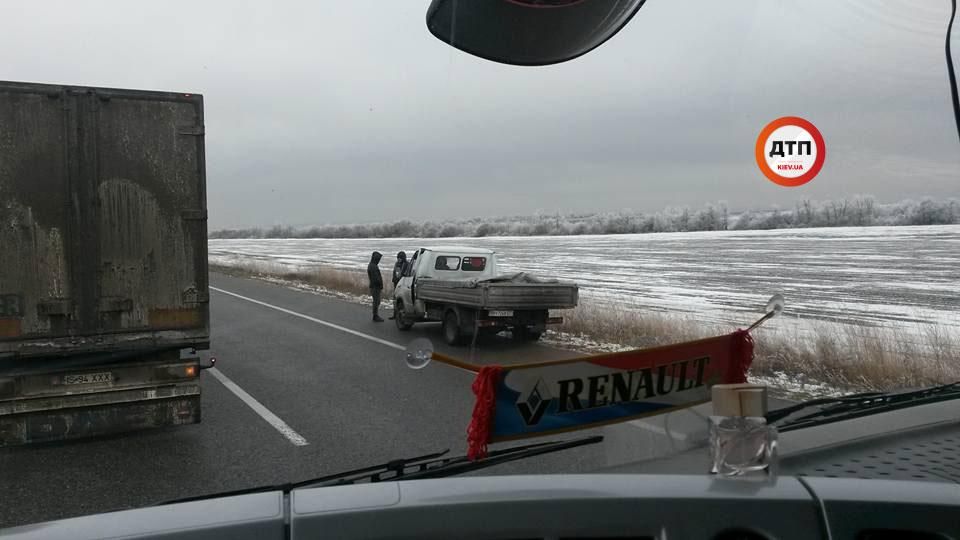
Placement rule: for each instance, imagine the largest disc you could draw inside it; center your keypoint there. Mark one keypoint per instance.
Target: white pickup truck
(462, 288)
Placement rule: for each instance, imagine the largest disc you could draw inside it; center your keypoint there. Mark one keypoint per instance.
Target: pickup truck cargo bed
(499, 295)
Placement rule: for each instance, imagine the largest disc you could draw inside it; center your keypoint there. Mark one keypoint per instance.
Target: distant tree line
(859, 211)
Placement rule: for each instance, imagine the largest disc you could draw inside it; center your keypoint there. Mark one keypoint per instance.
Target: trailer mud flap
(76, 423)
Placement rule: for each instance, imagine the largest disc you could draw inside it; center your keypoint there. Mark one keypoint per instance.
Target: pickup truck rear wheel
(451, 329)
(402, 323)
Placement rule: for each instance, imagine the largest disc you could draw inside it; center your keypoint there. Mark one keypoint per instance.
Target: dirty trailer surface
(104, 244)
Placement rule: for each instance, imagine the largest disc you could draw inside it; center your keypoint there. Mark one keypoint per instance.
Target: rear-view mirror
(528, 32)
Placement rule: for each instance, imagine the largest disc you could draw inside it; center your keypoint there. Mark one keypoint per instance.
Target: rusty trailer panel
(168, 406)
(74, 398)
(103, 238)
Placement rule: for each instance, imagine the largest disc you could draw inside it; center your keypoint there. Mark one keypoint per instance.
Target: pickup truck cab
(462, 288)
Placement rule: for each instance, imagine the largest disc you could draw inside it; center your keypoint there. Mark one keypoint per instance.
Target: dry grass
(622, 326)
(844, 357)
(861, 358)
(333, 279)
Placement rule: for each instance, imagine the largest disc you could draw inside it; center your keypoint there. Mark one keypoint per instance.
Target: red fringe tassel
(478, 432)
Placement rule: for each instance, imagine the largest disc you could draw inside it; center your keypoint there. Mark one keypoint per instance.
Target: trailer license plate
(89, 378)
(501, 313)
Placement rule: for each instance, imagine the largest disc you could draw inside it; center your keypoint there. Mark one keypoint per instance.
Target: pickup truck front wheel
(451, 329)
(401, 319)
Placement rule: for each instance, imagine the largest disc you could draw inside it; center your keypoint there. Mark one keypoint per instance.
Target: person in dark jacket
(376, 283)
(398, 268)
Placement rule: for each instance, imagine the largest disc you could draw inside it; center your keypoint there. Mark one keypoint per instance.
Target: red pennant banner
(531, 400)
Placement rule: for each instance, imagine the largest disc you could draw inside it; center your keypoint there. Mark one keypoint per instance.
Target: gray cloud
(333, 112)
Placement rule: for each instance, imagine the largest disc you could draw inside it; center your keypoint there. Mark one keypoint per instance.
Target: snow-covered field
(873, 276)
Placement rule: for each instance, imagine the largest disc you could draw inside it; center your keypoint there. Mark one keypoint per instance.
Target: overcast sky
(346, 111)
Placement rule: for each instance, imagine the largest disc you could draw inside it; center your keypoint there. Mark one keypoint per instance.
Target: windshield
(268, 201)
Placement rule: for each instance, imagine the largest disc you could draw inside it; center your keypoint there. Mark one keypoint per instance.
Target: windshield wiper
(857, 405)
(427, 466)
(443, 467)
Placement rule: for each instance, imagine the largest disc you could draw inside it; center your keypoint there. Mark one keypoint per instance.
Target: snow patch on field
(793, 388)
(894, 277)
(579, 343)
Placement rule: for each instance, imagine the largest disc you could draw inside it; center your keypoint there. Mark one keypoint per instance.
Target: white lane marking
(325, 323)
(313, 319)
(258, 408)
(638, 423)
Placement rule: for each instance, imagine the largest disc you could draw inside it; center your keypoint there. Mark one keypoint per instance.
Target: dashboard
(889, 476)
(594, 506)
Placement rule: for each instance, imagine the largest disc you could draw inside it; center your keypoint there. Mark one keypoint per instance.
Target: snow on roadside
(781, 385)
(579, 343)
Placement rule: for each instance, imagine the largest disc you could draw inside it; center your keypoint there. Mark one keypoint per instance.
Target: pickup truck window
(410, 266)
(445, 262)
(474, 264)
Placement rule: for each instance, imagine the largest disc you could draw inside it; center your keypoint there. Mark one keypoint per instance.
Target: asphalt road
(353, 401)
(326, 399)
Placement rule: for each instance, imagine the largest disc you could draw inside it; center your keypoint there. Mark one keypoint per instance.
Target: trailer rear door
(102, 220)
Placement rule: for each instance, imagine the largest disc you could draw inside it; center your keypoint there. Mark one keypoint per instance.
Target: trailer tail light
(10, 327)
(174, 372)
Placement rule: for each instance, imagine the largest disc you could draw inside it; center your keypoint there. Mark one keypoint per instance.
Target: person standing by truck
(376, 283)
(398, 268)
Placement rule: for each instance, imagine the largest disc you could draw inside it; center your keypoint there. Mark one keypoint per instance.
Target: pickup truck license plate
(89, 378)
(500, 313)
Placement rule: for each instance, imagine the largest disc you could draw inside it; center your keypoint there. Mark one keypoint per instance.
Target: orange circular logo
(790, 151)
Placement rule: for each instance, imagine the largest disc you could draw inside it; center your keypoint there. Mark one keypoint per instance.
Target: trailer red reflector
(555, 320)
(10, 327)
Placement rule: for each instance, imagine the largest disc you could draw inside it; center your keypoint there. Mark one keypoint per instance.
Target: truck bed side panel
(450, 292)
(530, 296)
(526, 296)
